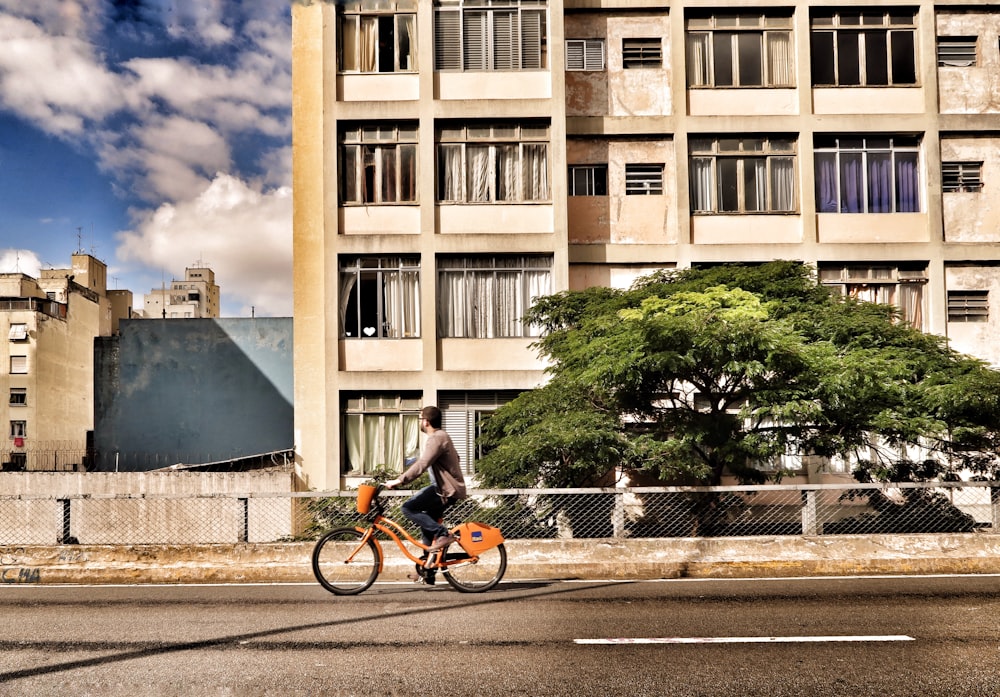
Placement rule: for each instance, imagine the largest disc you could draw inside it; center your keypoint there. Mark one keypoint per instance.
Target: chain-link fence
(650, 512)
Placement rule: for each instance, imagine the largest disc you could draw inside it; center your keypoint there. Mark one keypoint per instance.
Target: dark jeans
(424, 509)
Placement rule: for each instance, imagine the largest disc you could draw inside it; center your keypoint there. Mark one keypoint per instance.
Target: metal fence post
(244, 519)
(618, 516)
(810, 517)
(995, 505)
(64, 522)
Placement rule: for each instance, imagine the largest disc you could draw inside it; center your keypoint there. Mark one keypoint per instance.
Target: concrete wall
(192, 391)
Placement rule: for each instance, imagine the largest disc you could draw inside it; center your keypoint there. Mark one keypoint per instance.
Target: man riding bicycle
(440, 459)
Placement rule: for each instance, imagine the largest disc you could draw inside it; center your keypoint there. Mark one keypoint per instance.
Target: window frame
(899, 285)
(463, 413)
(18, 397)
(642, 52)
(393, 149)
(18, 428)
(706, 30)
(585, 55)
(858, 30)
(850, 161)
(456, 40)
(399, 11)
(18, 365)
(962, 176)
(725, 161)
(587, 180)
(955, 51)
(387, 277)
(18, 331)
(459, 145)
(463, 313)
(399, 412)
(644, 178)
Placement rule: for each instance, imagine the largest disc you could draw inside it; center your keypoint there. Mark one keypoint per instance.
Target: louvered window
(18, 331)
(18, 365)
(961, 176)
(585, 54)
(643, 180)
(642, 53)
(505, 35)
(462, 416)
(956, 51)
(968, 306)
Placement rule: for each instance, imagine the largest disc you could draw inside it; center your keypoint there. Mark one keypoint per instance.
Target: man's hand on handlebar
(391, 484)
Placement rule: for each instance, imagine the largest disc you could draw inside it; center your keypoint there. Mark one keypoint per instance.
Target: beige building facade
(47, 374)
(454, 159)
(197, 295)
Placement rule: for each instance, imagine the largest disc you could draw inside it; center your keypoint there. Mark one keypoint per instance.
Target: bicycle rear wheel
(338, 573)
(480, 575)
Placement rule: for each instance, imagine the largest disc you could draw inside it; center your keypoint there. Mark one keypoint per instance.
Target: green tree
(693, 373)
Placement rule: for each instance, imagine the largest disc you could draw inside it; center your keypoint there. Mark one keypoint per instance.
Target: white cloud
(243, 234)
(20, 261)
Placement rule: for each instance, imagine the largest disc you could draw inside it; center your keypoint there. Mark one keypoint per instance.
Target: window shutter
(505, 40)
(448, 40)
(594, 54)
(18, 365)
(475, 37)
(956, 51)
(575, 54)
(532, 29)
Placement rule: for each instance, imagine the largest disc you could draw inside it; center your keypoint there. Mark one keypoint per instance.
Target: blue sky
(153, 134)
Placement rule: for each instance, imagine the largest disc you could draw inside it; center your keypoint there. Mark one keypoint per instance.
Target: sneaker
(441, 542)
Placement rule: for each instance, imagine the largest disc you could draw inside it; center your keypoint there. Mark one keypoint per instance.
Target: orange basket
(476, 538)
(366, 492)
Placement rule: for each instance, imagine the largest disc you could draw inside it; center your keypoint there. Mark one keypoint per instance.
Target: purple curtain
(907, 183)
(879, 182)
(852, 185)
(826, 182)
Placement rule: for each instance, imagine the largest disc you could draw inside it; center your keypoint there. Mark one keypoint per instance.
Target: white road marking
(744, 639)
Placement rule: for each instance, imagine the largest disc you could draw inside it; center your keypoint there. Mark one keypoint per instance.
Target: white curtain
(479, 172)
(352, 441)
(536, 172)
(407, 42)
(484, 305)
(701, 184)
(782, 184)
(756, 184)
(506, 166)
(389, 174)
(368, 45)
(453, 304)
(779, 59)
(347, 281)
(450, 187)
(911, 303)
(410, 302)
(697, 60)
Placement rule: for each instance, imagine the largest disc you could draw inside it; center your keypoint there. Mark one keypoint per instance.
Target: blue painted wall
(190, 391)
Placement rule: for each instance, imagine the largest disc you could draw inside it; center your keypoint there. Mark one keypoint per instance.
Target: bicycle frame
(395, 531)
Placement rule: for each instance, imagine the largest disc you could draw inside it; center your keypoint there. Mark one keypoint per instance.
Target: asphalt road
(845, 637)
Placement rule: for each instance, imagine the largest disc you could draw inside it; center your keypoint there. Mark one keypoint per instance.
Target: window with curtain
(878, 174)
(380, 297)
(380, 431)
(378, 163)
(742, 175)
(902, 286)
(494, 35)
(864, 48)
(740, 50)
(377, 36)
(493, 163)
(487, 297)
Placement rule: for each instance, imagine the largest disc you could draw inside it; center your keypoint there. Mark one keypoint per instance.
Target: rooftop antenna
(79, 240)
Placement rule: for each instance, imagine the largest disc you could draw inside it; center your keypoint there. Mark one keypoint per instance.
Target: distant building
(47, 371)
(197, 296)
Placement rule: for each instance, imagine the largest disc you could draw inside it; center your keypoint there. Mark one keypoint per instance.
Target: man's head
(433, 416)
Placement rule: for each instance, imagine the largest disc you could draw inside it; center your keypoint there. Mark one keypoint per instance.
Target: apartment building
(455, 159)
(48, 370)
(197, 295)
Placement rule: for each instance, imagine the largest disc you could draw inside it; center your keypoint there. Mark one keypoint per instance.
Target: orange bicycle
(346, 561)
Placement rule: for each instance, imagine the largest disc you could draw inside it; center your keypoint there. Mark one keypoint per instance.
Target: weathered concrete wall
(980, 339)
(777, 557)
(972, 216)
(973, 89)
(191, 391)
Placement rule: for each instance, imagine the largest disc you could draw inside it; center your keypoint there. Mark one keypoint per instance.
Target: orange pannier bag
(476, 538)
(366, 493)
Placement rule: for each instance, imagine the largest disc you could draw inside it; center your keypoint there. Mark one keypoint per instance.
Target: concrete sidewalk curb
(744, 557)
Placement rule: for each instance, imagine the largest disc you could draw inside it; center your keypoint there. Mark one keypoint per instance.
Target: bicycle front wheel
(342, 564)
(479, 575)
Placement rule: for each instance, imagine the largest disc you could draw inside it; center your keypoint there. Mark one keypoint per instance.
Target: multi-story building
(48, 370)
(196, 296)
(454, 159)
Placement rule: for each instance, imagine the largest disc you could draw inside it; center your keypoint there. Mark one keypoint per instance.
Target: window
(642, 53)
(864, 48)
(961, 176)
(968, 306)
(493, 163)
(487, 297)
(902, 286)
(588, 180)
(741, 50)
(878, 174)
(742, 175)
(584, 54)
(18, 365)
(462, 416)
(18, 331)
(378, 164)
(18, 396)
(643, 179)
(956, 51)
(380, 297)
(18, 429)
(494, 35)
(380, 431)
(378, 36)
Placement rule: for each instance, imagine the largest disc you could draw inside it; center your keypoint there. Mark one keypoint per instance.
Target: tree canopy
(693, 373)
